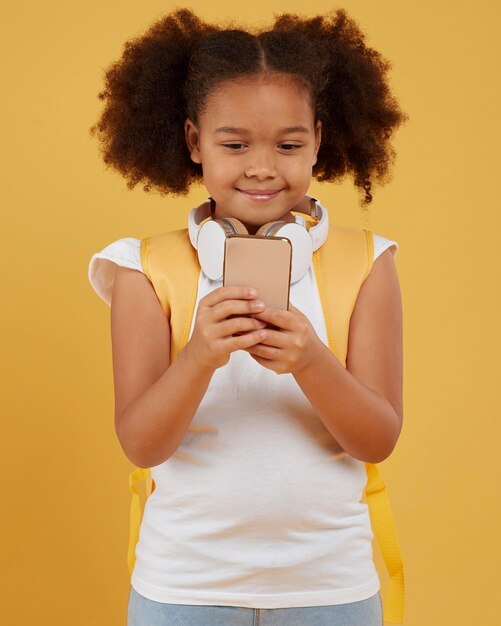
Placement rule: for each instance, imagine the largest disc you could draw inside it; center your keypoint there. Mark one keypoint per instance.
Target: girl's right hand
(220, 315)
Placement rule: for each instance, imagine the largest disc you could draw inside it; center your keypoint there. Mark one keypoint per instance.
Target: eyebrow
(244, 131)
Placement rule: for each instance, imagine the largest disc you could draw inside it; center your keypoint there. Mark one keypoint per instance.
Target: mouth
(260, 195)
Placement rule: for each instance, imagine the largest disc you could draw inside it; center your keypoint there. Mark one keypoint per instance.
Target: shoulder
(135, 254)
(382, 280)
(103, 265)
(376, 321)
(381, 244)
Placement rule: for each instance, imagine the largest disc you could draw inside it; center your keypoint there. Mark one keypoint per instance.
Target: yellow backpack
(341, 265)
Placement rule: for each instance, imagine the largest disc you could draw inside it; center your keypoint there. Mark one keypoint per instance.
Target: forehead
(257, 103)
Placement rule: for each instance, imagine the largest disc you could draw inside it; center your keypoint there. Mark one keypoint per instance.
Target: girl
(256, 514)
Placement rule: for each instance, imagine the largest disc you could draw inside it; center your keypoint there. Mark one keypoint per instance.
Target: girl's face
(256, 136)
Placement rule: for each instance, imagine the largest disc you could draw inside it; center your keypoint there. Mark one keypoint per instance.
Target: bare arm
(154, 401)
(362, 404)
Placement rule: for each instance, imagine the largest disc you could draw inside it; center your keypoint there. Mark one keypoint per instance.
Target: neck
(304, 206)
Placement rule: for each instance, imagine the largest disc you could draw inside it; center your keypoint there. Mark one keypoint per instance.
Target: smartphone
(262, 262)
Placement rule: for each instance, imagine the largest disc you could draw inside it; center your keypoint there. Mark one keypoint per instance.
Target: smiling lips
(260, 194)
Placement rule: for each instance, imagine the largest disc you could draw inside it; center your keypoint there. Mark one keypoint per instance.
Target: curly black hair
(167, 74)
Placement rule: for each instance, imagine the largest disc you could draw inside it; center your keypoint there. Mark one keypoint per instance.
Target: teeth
(261, 196)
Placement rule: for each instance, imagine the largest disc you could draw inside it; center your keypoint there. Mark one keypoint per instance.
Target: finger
(227, 293)
(276, 338)
(227, 308)
(227, 328)
(278, 317)
(264, 351)
(241, 342)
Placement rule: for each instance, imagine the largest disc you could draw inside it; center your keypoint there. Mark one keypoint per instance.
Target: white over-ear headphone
(208, 235)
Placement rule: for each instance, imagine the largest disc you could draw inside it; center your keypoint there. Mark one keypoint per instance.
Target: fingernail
(253, 292)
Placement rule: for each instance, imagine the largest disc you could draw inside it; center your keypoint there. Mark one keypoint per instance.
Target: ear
(318, 139)
(193, 140)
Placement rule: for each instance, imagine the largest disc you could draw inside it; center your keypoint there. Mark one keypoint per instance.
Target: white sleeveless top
(259, 506)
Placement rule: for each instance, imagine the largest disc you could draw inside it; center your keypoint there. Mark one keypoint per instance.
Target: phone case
(260, 262)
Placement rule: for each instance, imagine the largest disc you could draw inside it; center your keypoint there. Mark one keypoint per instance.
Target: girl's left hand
(290, 348)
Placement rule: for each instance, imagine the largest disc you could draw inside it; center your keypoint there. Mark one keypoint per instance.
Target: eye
(286, 147)
(233, 146)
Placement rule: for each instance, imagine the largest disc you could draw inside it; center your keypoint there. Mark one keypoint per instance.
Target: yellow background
(65, 510)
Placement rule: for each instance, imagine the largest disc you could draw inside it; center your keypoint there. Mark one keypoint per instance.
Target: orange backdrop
(64, 526)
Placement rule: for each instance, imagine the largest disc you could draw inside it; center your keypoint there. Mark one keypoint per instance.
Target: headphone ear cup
(210, 248)
(210, 244)
(302, 248)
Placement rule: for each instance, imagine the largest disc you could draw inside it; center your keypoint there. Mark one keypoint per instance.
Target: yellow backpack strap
(135, 477)
(341, 265)
(171, 263)
(386, 534)
(177, 292)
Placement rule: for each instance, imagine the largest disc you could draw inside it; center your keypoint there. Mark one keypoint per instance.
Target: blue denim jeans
(145, 612)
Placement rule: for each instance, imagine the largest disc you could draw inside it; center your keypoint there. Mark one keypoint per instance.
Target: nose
(260, 163)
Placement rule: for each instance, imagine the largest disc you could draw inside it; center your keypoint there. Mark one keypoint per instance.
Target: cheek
(301, 168)
(214, 172)
(224, 169)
